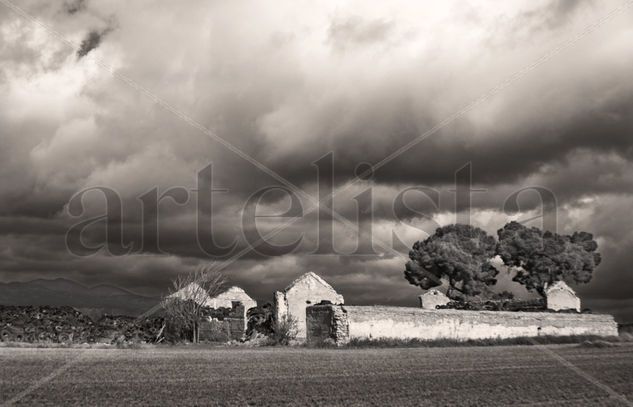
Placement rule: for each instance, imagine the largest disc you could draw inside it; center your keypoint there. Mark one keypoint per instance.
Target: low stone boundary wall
(340, 323)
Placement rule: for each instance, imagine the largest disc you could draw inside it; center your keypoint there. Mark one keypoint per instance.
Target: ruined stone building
(227, 299)
(432, 299)
(561, 297)
(231, 295)
(304, 291)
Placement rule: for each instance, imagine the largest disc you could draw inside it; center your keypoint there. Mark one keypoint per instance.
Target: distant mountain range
(104, 298)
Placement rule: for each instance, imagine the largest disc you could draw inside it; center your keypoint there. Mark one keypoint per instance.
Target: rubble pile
(260, 320)
(43, 323)
(113, 328)
(67, 325)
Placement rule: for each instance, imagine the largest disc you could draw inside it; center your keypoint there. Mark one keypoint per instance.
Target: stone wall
(223, 324)
(342, 323)
(216, 330)
(326, 323)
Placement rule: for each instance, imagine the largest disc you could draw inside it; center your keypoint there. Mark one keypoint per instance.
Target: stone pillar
(327, 324)
(340, 325)
(281, 306)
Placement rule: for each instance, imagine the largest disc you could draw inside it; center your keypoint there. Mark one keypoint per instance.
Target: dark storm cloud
(358, 81)
(498, 154)
(90, 42)
(74, 6)
(16, 225)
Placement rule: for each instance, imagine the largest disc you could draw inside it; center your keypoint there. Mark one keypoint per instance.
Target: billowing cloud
(286, 86)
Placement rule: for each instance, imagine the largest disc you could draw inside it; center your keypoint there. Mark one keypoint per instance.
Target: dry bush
(217, 331)
(284, 331)
(186, 301)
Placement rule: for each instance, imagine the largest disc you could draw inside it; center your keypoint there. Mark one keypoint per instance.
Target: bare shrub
(284, 331)
(217, 331)
(187, 299)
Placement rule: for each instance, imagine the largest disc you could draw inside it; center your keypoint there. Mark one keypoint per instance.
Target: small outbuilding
(560, 297)
(306, 290)
(432, 299)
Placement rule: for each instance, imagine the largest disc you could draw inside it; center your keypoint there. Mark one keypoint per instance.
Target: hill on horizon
(60, 291)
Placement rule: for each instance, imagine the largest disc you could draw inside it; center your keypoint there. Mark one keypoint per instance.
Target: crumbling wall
(326, 324)
(376, 322)
(221, 330)
(223, 324)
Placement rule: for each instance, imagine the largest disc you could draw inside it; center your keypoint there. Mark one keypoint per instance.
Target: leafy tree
(543, 258)
(458, 254)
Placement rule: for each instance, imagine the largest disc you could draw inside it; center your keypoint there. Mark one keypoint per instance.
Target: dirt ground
(507, 375)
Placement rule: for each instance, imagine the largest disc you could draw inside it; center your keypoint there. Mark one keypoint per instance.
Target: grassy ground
(442, 343)
(504, 375)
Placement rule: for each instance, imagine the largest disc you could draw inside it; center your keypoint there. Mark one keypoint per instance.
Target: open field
(527, 375)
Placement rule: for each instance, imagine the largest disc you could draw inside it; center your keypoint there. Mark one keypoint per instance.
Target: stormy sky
(161, 99)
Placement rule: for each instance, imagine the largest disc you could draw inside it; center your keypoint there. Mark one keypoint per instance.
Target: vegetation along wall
(340, 323)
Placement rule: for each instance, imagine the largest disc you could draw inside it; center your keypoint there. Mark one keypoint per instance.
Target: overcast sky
(287, 83)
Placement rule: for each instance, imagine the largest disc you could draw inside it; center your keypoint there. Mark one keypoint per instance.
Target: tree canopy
(458, 254)
(461, 255)
(543, 258)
